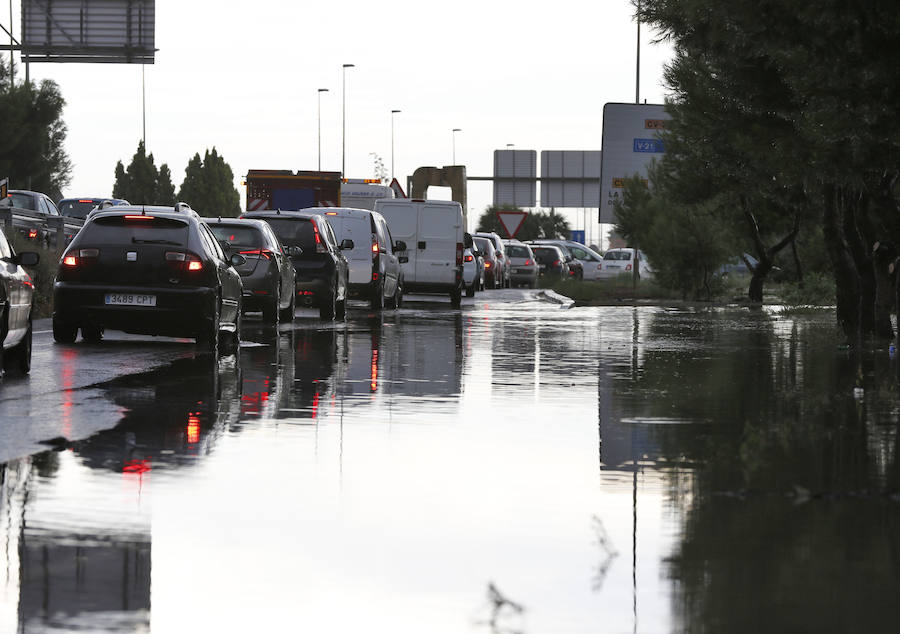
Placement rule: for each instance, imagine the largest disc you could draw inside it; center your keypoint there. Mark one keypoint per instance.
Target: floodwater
(511, 467)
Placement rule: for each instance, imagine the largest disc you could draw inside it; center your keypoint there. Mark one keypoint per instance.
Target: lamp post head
(349, 66)
(323, 90)
(395, 111)
(457, 129)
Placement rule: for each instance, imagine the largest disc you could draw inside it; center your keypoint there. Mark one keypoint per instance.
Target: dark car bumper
(179, 312)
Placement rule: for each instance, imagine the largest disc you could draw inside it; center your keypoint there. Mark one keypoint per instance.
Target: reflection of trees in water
(791, 524)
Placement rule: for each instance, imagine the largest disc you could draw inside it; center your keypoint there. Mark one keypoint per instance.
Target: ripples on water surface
(609, 469)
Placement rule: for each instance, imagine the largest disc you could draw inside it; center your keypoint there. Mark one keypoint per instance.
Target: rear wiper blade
(169, 242)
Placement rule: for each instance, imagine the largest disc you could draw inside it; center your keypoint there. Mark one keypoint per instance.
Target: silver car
(524, 269)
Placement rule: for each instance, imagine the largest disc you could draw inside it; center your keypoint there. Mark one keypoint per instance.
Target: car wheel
(398, 295)
(456, 298)
(287, 315)
(231, 341)
(340, 309)
(328, 307)
(271, 313)
(64, 333)
(20, 356)
(470, 290)
(377, 300)
(92, 334)
(208, 338)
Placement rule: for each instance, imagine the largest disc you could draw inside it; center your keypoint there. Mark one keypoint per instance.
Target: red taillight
(195, 265)
(320, 246)
(528, 262)
(32, 233)
(263, 253)
(556, 263)
(86, 201)
(70, 260)
(459, 253)
(374, 247)
(627, 267)
(469, 258)
(488, 265)
(138, 217)
(184, 261)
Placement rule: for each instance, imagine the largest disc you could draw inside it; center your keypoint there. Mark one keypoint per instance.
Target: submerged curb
(556, 298)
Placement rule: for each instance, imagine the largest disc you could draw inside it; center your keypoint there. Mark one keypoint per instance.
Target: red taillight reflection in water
(315, 406)
(374, 374)
(193, 429)
(133, 465)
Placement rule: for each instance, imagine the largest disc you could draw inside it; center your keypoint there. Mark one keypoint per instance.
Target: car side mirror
(346, 244)
(467, 240)
(294, 251)
(400, 245)
(27, 258)
(237, 260)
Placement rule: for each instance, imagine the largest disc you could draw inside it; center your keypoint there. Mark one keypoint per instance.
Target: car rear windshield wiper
(169, 242)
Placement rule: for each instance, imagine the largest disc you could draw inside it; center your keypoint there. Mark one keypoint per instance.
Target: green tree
(32, 135)
(142, 183)
(209, 186)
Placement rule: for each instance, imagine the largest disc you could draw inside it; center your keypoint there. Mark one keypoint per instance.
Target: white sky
(244, 78)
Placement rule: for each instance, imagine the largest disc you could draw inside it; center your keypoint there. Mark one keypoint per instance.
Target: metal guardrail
(56, 230)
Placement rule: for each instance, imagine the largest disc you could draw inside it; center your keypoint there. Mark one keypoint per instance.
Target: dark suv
(148, 270)
(322, 270)
(268, 274)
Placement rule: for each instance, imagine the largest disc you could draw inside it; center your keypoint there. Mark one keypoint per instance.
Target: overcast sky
(243, 77)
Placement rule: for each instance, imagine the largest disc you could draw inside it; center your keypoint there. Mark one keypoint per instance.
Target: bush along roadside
(42, 275)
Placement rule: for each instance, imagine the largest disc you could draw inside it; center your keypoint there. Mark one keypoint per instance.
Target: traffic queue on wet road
(169, 271)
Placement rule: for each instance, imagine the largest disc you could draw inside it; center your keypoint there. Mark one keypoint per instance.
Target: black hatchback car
(268, 274)
(148, 270)
(322, 270)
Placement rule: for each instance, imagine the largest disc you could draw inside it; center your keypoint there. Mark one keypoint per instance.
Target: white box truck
(433, 231)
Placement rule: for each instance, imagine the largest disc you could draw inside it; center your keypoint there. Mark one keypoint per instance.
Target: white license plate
(129, 299)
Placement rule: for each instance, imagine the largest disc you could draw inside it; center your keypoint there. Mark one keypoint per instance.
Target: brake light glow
(70, 260)
(138, 217)
(86, 201)
(374, 247)
(330, 213)
(188, 261)
(555, 263)
(32, 233)
(488, 265)
(195, 265)
(528, 262)
(265, 253)
(320, 246)
(469, 258)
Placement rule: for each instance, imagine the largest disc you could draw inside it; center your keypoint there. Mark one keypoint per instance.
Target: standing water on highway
(509, 467)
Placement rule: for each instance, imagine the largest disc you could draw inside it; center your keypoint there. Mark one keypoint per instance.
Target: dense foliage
(208, 186)
(784, 130)
(142, 183)
(537, 224)
(32, 135)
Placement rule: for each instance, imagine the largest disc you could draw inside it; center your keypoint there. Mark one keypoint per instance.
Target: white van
(361, 193)
(433, 231)
(375, 271)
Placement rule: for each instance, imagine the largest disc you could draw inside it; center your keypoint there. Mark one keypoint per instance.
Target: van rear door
(358, 228)
(402, 218)
(439, 226)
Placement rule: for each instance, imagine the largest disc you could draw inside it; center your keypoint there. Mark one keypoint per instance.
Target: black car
(81, 207)
(34, 228)
(551, 260)
(16, 292)
(268, 274)
(322, 270)
(148, 270)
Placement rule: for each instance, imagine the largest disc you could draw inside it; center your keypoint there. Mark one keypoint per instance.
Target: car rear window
(22, 201)
(546, 256)
(237, 236)
(516, 251)
(135, 230)
(77, 208)
(617, 255)
(294, 232)
(484, 244)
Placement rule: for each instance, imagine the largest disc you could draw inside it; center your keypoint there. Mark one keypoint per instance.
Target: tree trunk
(846, 278)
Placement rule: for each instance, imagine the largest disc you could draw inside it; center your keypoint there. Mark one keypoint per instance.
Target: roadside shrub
(817, 290)
(42, 275)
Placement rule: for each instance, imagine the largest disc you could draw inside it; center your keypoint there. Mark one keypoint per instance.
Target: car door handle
(420, 245)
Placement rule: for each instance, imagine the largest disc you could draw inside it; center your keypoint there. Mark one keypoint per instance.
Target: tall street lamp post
(455, 130)
(393, 112)
(321, 90)
(344, 119)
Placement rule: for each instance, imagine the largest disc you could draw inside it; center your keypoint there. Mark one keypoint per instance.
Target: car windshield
(77, 208)
(617, 255)
(22, 201)
(237, 236)
(516, 251)
(122, 230)
(295, 232)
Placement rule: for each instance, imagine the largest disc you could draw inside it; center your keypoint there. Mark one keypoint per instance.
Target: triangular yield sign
(512, 221)
(398, 191)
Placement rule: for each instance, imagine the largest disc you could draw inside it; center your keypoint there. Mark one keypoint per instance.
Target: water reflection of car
(525, 268)
(267, 272)
(551, 261)
(81, 207)
(322, 272)
(150, 271)
(492, 266)
(16, 294)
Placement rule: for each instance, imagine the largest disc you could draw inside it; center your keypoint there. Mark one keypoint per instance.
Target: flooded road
(511, 466)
